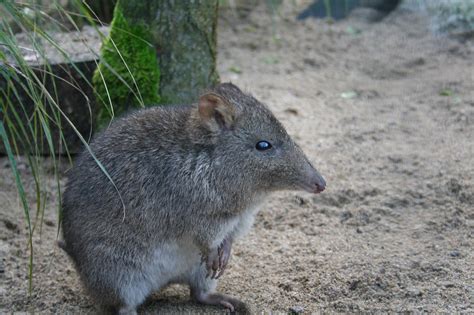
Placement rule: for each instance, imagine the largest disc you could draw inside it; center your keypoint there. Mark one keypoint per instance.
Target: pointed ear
(216, 112)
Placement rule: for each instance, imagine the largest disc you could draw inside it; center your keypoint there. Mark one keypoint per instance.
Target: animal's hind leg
(203, 290)
(115, 309)
(132, 295)
(120, 293)
(125, 305)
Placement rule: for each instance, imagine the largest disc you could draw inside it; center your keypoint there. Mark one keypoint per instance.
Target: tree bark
(183, 36)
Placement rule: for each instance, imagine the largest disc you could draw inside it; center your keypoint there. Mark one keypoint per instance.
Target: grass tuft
(31, 109)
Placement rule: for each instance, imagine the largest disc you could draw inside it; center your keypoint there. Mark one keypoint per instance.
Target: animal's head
(248, 138)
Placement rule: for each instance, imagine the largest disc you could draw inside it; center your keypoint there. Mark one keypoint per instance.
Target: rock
(340, 9)
(455, 253)
(67, 80)
(455, 17)
(414, 292)
(74, 96)
(291, 111)
(354, 284)
(368, 15)
(11, 225)
(448, 284)
(301, 201)
(345, 215)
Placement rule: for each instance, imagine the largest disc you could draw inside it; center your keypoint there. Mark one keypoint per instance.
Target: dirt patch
(369, 105)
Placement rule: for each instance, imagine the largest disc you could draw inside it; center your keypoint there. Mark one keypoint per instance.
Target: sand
(385, 111)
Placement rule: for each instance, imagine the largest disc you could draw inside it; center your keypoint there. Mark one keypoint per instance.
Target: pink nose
(314, 182)
(318, 183)
(320, 187)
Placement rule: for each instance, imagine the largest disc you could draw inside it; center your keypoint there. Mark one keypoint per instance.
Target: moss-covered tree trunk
(158, 51)
(185, 36)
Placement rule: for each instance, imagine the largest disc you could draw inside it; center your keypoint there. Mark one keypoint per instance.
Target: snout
(313, 182)
(317, 184)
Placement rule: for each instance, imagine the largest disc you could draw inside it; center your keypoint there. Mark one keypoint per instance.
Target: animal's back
(100, 214)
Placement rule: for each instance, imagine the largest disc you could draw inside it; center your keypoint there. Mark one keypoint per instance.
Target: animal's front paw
(217, 259)
(224, 255)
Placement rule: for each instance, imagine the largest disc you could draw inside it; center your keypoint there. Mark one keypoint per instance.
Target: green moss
(129, 69)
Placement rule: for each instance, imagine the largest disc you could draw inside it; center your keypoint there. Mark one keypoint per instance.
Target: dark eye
(263, 145)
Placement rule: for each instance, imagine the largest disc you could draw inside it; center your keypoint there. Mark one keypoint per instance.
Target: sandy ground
(386, 113)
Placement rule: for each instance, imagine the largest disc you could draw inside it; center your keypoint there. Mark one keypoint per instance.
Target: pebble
(10, 225)
(414, 292)
(291, 111)
(300, 201)
(455, 253)
(296, 309)
(448, 284)
(354, 284)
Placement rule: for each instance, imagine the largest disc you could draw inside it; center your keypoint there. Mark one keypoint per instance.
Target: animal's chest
(171, 261)
(225, 230)
(239, 225)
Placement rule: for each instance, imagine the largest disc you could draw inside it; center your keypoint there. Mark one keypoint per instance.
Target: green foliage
(18, 133)
(453, 16)
(446, 92)
(235, 69)
(128, 74)
(30, 107)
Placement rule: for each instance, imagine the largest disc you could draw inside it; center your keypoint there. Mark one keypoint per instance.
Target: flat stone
(67, 80)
